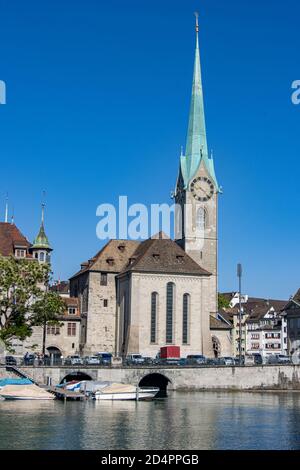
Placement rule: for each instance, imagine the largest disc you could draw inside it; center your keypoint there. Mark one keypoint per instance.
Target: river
(200, 420)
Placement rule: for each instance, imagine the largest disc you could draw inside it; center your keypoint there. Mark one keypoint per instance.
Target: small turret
(41, 248)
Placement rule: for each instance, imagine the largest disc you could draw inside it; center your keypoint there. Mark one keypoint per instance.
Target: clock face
(202, 189)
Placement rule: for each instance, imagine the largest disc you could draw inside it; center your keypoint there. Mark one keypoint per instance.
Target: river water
(200, 420)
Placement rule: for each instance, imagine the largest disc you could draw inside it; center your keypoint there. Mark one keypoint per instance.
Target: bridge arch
(155, 379)
(76, 375)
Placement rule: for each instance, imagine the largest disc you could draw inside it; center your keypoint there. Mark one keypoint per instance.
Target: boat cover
(25, 391)
(8, 381)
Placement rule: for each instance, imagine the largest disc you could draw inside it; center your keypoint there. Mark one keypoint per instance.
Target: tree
(25, 301)
(223, 302)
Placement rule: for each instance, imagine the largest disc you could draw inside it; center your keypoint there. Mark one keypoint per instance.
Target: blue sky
(97, 106)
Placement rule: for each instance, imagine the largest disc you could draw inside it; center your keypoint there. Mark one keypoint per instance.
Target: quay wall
(275, 377)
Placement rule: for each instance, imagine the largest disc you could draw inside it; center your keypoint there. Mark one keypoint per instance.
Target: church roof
(10, 238)
(162, 255)
(113, 257)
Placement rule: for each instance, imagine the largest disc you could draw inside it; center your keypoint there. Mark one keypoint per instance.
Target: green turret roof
(41, 241)
(196, 145)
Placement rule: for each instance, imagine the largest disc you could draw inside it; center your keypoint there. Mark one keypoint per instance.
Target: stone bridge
(273, 377)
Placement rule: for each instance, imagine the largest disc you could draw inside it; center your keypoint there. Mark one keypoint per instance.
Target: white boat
(118, 391)
(25, 392)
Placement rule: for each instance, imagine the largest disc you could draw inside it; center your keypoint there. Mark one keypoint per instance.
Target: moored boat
(25, 392)
(119, 391)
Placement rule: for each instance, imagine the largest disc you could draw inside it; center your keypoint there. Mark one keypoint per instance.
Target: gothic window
(154, 302)
(170, 312)
(201, 218)
(185, 318)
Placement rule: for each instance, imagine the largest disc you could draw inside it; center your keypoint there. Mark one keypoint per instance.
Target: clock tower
(197, 191)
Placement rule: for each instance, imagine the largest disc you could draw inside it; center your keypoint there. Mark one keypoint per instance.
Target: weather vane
(197, 23)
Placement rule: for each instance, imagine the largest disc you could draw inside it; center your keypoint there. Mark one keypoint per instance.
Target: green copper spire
(41, 241)
(196, 145)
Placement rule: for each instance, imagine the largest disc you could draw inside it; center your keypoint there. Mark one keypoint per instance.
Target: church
(137, 296)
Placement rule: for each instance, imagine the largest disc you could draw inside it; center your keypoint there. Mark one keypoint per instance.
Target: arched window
(169, 316)
(154, 302)
(185, 318)
(201, 218)
(42, 256)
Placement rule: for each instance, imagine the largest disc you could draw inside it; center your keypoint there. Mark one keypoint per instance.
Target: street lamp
(239, 274)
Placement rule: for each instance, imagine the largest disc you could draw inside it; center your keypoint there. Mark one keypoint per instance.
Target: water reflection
(183, 421)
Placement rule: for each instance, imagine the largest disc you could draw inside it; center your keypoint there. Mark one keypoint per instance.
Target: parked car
(258, 359)
(92, 361)
(243, 360)
(278, 359)
(148, 361)
(73, 361)
(183, 362)
(105, 358)
(212, 361)
(196, 359)
(10, 361)
(134, 359)
(228, 361)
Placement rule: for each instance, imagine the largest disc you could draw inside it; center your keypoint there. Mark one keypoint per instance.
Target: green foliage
(223, 302)
(24, 299)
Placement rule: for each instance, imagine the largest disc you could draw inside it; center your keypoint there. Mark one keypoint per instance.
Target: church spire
(196, 144)
(41, 241)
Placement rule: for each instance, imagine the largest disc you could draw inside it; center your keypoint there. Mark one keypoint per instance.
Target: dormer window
(72, 310)
(156, 256)
(132, 260)
(110, 261)
(121, 248)
(20, 253)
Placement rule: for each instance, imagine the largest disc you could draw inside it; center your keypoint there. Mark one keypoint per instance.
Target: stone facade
(134, 307)
(101, 314)
(200, 235)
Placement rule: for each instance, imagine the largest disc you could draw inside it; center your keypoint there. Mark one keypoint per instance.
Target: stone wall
(186, 379)
(100, 335)
(138, 289)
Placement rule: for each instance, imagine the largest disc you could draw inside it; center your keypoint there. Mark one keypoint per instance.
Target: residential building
(291, 314)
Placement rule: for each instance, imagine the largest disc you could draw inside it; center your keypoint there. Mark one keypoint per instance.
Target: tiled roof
(62, 287)
(216, 324)
(11, 237)
(256, 308)
(71, 301)
(163, 255)
(160, 254)
(113, 257)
